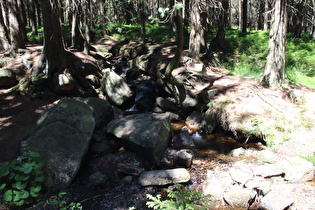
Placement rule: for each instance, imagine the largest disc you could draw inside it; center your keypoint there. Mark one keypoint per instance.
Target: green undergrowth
(22, 180)
(248, 52)
(180, 198)
(154, 32)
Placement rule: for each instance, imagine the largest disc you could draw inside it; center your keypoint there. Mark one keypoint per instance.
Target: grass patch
(248, 52)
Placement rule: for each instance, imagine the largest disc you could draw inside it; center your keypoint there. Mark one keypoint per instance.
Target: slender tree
(218, 43)
(196, 39)
(16, 37)
(274, 70)
(4, 37)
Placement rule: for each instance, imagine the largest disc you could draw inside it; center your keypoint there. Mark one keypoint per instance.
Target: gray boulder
(164, 177)
(216, 183)
(146, 134)
(237, 196)
(62, 140)
(115, 88)
(280, 197)
(166, 104)
(297, 169)
(7, 78)
(209, 122)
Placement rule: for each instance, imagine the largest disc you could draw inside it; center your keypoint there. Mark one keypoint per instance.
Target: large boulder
(116, 89)
(62, 139)
(7, 78)
(146, 134)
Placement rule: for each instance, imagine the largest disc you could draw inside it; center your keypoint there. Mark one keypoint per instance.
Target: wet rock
(183, 140)
(145, 134)
(7, 78)
(240, 152)
(209, 122)
(297, 169)
(237, 196)
(145, 98)
(164, 177)
(216, 183)
(200, 142)
(116, 89)
(193, 121)
(280, 197)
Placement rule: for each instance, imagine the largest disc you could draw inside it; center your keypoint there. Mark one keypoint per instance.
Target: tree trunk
(196, 39)
(32, 16)
(87, 27)
(54, 58)
(53, 54)
(17, 40)
(22, 18)
(142, 20)
(77, 41)
(4, 37)
(266, 16)
(274, 70)
(173, 85)
(218, 43)
(244, 16)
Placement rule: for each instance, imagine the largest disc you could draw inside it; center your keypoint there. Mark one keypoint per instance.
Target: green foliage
(248, 53)
(60, 202)
(310, 158)
(181, 198)
(154, 32)
(22, 180)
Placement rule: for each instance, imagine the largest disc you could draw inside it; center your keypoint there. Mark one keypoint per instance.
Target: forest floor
(18, 113)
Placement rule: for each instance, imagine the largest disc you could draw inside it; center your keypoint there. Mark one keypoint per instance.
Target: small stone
(164, 177)
(184, 158)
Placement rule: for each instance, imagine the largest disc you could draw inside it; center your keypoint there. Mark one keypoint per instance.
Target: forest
(85, 83)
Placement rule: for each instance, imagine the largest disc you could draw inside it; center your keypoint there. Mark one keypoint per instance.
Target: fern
(181, 198)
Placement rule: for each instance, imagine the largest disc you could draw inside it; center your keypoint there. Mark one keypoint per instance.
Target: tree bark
(4, 37)
(32, 16)
(196, 39)
(274, 70)
(266, 19)
(53, 54)
(244, 16)
(16, 37)
(77, 41)
(218, 43)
